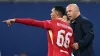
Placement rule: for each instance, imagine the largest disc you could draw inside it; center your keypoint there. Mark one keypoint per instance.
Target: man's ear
(57, 13)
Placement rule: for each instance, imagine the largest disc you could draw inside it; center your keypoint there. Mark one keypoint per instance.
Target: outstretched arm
(29, 21)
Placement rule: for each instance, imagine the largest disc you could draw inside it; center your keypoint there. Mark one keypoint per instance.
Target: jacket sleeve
(88, 34)
(28, 21)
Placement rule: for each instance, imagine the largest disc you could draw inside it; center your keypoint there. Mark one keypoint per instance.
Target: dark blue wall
(21, 38)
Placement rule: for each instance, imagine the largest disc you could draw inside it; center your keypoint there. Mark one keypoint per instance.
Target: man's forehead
(72, 6)
(69, 7)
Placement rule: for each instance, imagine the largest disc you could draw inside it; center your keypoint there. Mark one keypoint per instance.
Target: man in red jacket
(60, 34)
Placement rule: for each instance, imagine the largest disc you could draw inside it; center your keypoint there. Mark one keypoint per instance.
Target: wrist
(12, 20)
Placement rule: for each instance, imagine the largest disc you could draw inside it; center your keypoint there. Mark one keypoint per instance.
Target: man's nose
(67, 13)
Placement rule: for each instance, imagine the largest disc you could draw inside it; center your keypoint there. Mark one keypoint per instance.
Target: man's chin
(70, 18)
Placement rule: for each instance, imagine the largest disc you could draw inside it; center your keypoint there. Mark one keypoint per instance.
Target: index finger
(4, 21)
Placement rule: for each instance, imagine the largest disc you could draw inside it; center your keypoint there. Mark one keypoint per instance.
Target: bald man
(83, 32)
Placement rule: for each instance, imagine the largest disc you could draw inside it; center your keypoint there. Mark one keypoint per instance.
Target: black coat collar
(77, 20)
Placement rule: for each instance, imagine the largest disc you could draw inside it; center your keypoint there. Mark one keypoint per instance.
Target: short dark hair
(61, 9)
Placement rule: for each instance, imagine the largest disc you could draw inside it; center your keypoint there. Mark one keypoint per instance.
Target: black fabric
(83, 35)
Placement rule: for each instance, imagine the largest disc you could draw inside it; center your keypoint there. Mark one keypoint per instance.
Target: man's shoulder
(84, 20)
(55, 21)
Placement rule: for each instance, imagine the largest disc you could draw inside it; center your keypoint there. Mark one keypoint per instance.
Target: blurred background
(18, 39)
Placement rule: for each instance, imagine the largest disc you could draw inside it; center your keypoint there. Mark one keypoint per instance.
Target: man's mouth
(69, 16)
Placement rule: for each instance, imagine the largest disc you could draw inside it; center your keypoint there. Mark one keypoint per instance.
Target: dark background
(33, 40)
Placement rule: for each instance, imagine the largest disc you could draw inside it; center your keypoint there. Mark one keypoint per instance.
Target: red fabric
(62, 35)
